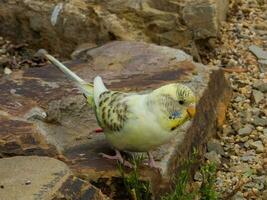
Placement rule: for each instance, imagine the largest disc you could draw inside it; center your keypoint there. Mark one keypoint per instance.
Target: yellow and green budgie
(135, 122)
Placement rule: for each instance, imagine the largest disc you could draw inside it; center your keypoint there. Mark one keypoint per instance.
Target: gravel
(17, 57)
(242, 170)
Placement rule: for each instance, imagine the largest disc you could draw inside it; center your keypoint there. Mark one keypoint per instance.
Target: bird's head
(176, 104)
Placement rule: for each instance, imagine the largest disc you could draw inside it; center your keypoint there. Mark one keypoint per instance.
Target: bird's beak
(191, 110)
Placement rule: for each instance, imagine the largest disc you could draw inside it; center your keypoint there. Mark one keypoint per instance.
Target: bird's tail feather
(86, 88)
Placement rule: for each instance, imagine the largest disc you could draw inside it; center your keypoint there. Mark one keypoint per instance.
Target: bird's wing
(112, 111)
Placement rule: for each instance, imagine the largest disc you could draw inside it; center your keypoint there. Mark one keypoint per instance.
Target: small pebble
(257, 96)
(27, 182)
(258, 146)
(246, 130)
(7, 71)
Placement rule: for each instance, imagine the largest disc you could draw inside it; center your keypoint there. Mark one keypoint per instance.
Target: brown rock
(221, 108)
(76, 188)
(260, 26)
(55, 25)
(204, 17)
(32, 177)
(19, 137)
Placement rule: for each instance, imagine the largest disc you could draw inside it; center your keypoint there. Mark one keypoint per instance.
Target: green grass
(139, 190)
(180, 192)
(136, 188)
(207, 189)
(182, 189)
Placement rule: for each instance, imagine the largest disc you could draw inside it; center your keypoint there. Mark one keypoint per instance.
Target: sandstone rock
(19, 137)
(53, 24)
(68, 123)
(215, 145)
(246, 130)
(261, 86)
(198, 176)
(203, 18)
(213, 157)
(247, 158)
(258, 146)
(261, 26)
(4, 61)
(258, 52)
(238, 196)
(259, 121)
(264, 194)
(227, 130)
(263, 65)
(7, 71)
(2, 51)
(242, 167)
(255, 111)
(257, 96)
(260, 179)
(33, 177)
(80, 52)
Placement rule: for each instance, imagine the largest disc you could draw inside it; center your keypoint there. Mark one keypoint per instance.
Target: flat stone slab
(20, 137)
(46, 100)
(42, 178)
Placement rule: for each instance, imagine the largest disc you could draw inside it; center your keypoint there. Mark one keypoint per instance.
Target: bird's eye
(181, 102)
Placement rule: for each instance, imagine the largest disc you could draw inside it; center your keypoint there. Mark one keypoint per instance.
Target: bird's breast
(139, 134)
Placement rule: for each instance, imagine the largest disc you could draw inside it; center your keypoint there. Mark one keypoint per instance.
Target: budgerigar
(135, 122)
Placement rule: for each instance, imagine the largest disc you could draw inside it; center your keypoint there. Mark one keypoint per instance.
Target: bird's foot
(151, 161)
(118, 157)
(152, 164)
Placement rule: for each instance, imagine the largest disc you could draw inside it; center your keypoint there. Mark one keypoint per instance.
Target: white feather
(55, 13)
(99, 88)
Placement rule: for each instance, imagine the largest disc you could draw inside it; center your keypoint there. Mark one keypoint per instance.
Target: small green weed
(206, 190)
(137, 189)
(181, 187)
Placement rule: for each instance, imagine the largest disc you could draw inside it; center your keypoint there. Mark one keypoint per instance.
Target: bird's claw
(117, 157)
(151, 162)
(127, 164)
